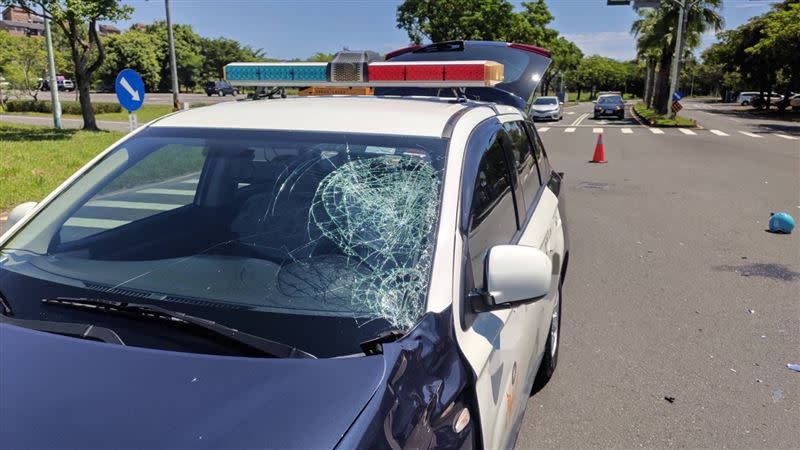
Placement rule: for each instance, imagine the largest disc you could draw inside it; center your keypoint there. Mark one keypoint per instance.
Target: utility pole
(172, 63)
(51, 66)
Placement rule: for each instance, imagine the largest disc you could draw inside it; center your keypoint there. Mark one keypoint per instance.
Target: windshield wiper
(261, 345)
(77, 330)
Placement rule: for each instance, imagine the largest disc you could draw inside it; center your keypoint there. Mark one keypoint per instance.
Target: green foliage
(218, 52)
(66, 107)
(597, 73)
(187, 54)
(455, 19)
(22, 61)
(653, 118)
(136, 50)
(321, 57)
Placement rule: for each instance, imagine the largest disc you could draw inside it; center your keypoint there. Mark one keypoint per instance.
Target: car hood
(63, 392)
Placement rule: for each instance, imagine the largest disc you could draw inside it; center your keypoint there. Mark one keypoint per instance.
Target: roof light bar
(358, 73)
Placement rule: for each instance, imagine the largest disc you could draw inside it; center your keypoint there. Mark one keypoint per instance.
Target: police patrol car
(315, 272)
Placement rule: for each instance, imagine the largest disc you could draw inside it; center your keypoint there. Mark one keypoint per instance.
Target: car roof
(353, 114)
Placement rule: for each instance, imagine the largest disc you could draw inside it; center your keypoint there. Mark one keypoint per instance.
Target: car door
(498, 345)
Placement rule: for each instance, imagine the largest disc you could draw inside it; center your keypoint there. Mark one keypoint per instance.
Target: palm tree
(655, 31)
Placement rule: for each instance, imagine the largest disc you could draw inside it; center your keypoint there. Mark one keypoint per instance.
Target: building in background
(19, 22)
(105, 30)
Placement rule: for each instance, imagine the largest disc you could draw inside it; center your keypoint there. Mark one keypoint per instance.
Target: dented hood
(524, 66)
(69, 393)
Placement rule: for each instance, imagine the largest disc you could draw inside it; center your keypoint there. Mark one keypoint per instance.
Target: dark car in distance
(221, 88)
(609, 105)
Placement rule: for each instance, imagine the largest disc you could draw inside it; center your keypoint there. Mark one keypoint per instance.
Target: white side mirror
(514, 274)
(19, 213)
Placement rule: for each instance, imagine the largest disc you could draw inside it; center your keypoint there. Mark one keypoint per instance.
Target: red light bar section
(386, 72)
(465, 72)
(426, 72)
(472, 71)
(532, 48)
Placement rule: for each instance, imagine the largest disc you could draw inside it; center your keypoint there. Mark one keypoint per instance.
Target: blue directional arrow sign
(130, 90)
(677, 95)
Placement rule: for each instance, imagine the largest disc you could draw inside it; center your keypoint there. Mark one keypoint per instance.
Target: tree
(566, 58)
(29, 63)
(135, 50)
(780, 43)
(187, 54)
(321, 57)
(218, 52)
(438, 20)
(78, 19)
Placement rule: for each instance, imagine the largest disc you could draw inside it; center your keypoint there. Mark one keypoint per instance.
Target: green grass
(657, 120)
(34, 160)
(145, 114)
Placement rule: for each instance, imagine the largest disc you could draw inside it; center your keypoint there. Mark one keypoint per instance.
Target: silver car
(547, 108)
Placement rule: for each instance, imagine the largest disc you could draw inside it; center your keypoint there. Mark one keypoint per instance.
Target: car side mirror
(19, 213)
(514, 275)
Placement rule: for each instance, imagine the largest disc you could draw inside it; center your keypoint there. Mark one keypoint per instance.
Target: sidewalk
(66, 122)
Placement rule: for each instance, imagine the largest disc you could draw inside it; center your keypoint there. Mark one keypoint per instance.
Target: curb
(646, 122)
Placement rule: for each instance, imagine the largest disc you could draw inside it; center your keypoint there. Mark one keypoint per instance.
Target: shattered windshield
(310, 225)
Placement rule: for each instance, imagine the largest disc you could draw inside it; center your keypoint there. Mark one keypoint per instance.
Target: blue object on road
(795, 367)
(781, 222)
(677, 95)
(130, 90)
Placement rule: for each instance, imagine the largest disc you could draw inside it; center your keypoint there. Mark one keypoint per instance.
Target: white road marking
(569, 130)
(543, 129)
(685, 131)
(627, 131)
(103, 224)
(190, 181)
(569, 113)
(580, 119)
(167, 191)
(785, 136)
(133, 205)
(719, 133)
(656, 131)
(750, 134)
(597, 130)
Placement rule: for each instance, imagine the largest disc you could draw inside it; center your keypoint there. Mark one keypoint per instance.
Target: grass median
(144, 115)
(657, 120)
(34, 160)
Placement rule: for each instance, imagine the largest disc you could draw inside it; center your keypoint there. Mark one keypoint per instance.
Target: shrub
(66, 107)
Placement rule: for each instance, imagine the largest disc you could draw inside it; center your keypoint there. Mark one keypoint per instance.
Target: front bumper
(545, 114)
(609, 112)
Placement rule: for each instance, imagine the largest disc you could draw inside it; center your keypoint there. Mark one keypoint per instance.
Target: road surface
(680, 312)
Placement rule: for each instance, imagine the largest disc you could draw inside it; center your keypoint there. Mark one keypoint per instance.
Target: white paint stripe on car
(133, 205)
(167, 191)
(103, 224)
(746, 133)
(656, 131)
(688, 132)
(785, 136)
(627, 131)
(719, 133)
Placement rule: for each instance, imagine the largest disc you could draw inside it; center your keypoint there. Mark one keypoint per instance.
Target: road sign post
(129, 88)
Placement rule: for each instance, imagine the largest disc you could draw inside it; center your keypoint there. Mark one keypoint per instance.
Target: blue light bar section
(276, 72)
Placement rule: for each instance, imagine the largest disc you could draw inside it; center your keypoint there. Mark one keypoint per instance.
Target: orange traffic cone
(599, 151)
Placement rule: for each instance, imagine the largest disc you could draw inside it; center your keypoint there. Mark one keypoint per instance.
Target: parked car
(759, 101)
(221, 88)
(545, 108)
(609, 105)
(331, 272)
(745, 98)
(794, 102)
(63, 84)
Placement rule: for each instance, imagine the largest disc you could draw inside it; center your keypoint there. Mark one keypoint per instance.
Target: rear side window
(492, 215)
(525, 160)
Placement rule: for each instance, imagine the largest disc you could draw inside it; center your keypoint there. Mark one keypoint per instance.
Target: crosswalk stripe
(597, 130)
(685, 131)
(656, 131)
(719, 133)
(785, 136)
(750, 134)
(167, 191)
(627, 131)
(569, 130)
(133, 205)
(543, 129)
(103, 224)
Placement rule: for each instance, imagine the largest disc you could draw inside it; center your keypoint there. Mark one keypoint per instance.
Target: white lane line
(167, 191)
(719, 133)
(685, 131)
(190, 181)
(627, 131)
(103, 224)
(569, 113)
(543, 129)
(785, 136)
(656, 131)
(597, 130)
(569, 130)
(133, 205)
(750, 134)
(580, 119)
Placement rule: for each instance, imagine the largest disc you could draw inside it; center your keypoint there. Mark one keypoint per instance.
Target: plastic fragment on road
(781, 223)
(670, 399)
(795, 367)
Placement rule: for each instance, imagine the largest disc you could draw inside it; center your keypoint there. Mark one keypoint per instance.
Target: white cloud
(613, 44)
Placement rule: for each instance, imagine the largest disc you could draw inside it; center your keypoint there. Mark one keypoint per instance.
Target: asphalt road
(674, 289)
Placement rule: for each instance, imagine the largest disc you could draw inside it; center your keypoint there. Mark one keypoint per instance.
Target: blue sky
(298, 28)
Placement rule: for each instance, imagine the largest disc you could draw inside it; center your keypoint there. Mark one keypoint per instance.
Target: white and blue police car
(377, 271)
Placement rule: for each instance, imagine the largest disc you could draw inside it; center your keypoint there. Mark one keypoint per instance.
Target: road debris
(670, 399)
(795, 367)
(777, 394)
